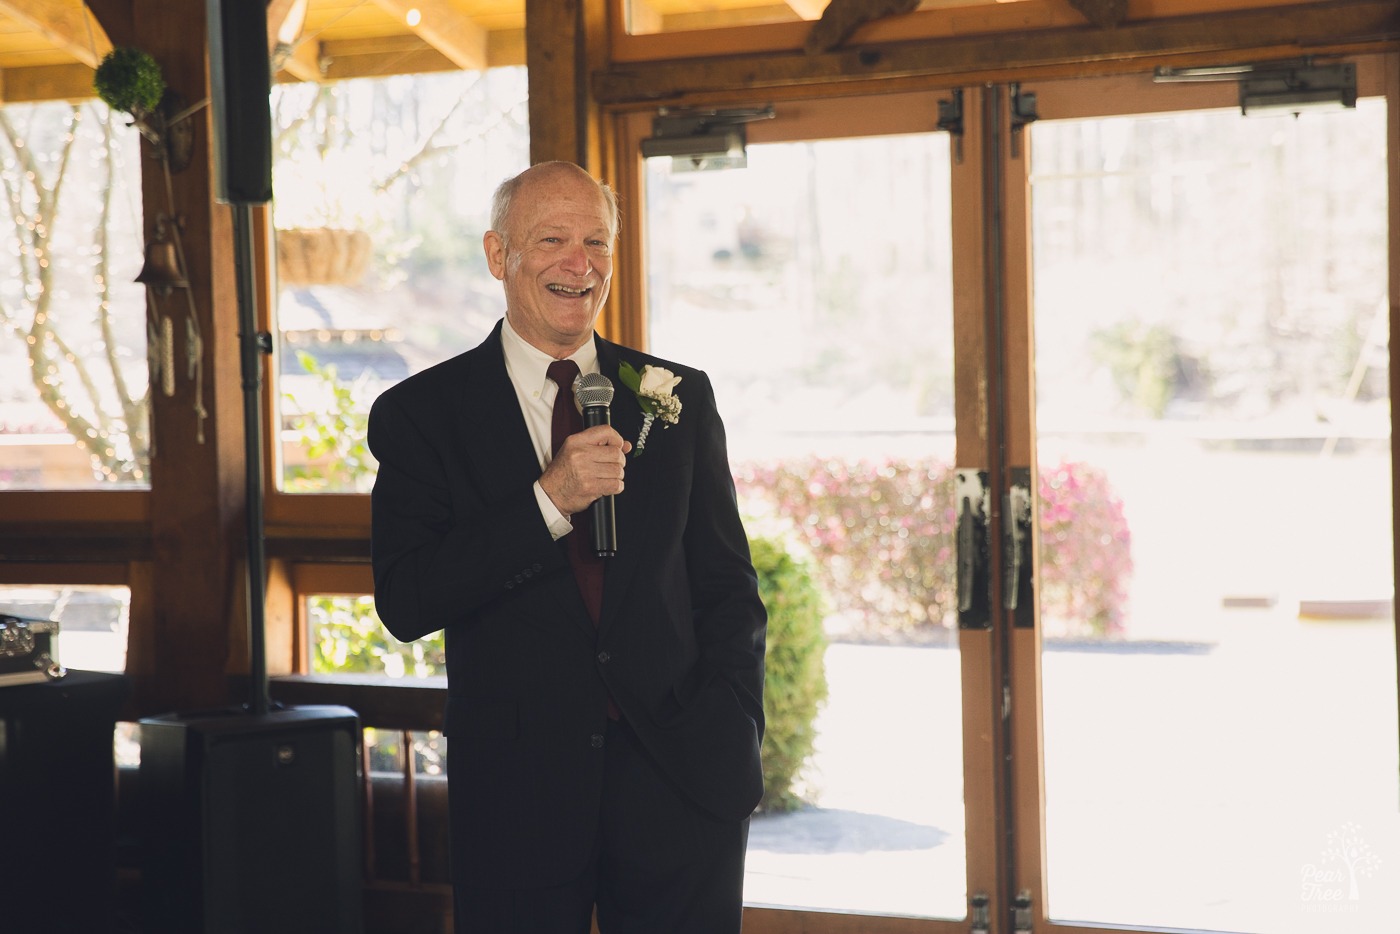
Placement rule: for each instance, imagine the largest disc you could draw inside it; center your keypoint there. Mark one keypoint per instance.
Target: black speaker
(57, 804)
(240, 79)
(252, 823)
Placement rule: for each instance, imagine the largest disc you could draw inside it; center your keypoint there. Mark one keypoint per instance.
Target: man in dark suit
(602, 747)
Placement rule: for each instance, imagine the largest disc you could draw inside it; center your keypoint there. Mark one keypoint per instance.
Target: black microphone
(594, 393)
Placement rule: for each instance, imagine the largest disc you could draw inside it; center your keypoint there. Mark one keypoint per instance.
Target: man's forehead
(555, 223)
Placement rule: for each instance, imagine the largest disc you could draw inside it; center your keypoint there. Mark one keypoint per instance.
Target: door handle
(974, 597)
(1017, 560)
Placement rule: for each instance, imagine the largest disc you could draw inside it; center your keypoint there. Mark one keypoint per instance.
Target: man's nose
(576, 260)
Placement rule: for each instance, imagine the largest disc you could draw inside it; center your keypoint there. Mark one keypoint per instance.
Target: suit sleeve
(730, 621)
(442, 551)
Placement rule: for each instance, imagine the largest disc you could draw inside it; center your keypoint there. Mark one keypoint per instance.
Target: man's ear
(495, 248)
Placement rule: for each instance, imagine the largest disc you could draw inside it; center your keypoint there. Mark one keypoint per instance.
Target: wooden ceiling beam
(446, 29)
(340, 59)
(808, 9)
(1343, 25)
(375, 58)
(304, 62)
(642, 18)
(65, 23)
(46, 83)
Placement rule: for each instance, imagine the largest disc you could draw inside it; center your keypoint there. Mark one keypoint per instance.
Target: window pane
(386, 751)
(383, 190)
(1211, 332)
(92, 621)
(346, 637)
(814, 287)
(73, 322)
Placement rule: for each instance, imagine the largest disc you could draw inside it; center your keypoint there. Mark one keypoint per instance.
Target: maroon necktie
(567, 420)
(588, 567)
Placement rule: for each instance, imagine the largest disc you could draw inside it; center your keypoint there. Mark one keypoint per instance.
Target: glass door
(816, 288)
(1217, 663)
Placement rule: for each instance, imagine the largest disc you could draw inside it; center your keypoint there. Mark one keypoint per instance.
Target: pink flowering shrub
(882, 536)
(1086, 555)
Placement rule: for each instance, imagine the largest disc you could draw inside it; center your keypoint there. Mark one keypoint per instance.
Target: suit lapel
(489, 410)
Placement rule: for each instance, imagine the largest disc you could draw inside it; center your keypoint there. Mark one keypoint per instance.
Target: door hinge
(980, 914)
(950, 118)
(1021, 913)
(1023, 112)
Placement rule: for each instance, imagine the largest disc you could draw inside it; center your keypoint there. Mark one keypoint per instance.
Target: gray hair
(505, 193)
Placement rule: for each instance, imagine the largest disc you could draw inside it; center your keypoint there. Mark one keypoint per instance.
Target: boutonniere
(653, 387)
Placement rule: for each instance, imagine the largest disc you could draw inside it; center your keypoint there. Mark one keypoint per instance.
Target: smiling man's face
(555, 257)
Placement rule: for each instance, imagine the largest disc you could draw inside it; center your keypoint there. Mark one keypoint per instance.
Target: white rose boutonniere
(654, 387)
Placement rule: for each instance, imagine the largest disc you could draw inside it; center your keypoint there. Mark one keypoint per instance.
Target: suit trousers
(662, 865)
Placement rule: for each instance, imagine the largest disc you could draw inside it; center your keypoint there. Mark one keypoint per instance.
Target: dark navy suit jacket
(459, 545)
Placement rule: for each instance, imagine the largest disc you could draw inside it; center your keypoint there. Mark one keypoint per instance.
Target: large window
(1212, 301)
(815, 287)
(74, 387)
(383, 190)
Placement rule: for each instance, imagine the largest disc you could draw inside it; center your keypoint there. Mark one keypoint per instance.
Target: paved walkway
(1192, 785)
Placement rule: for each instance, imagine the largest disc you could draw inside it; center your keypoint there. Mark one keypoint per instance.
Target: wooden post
(197, 467)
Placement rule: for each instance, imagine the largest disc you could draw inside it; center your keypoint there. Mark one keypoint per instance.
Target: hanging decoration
(130, 80)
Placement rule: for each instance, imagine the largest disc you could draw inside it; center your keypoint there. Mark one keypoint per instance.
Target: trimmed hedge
(794, 685)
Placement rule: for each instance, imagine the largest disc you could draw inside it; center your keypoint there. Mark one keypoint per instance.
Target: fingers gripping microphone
(594, 393)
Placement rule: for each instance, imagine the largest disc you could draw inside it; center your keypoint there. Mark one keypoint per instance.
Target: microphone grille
(592, 389)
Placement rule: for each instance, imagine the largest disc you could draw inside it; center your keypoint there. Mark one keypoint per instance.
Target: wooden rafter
(443, 27)
(289, 51)
(46, 83)
(1343, 25)
(304, 62)
(808, 9)
(65, 23)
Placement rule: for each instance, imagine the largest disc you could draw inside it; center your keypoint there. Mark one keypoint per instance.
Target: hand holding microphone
(594, 393)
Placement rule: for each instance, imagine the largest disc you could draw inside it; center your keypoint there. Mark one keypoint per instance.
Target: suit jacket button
(603, 658)
(597, 740)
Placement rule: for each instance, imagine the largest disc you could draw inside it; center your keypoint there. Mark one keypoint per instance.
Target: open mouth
(570, 292)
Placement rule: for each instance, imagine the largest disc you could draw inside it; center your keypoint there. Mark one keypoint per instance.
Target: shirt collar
(527, 364)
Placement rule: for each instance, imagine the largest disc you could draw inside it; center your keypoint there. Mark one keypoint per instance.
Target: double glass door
(1165, 326)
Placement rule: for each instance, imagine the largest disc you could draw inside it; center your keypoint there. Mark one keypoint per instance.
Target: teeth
(566, 290)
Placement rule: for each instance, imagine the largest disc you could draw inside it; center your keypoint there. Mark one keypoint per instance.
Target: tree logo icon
(1347, 847)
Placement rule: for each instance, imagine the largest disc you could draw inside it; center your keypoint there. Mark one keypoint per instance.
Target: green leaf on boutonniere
(629, 376)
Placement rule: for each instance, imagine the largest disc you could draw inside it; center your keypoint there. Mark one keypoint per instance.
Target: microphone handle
(604, 519)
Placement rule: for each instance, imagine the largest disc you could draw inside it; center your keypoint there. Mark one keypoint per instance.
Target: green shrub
(129, 80)
(333, 436)
(794, 684)
(348, 638)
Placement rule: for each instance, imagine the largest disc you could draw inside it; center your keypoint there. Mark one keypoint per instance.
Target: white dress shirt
(526, 366)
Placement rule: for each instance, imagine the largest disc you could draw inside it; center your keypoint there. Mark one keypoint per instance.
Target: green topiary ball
(794, 685)
(129, 80)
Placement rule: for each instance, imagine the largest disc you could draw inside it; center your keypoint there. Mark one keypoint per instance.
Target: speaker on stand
(251, 816)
